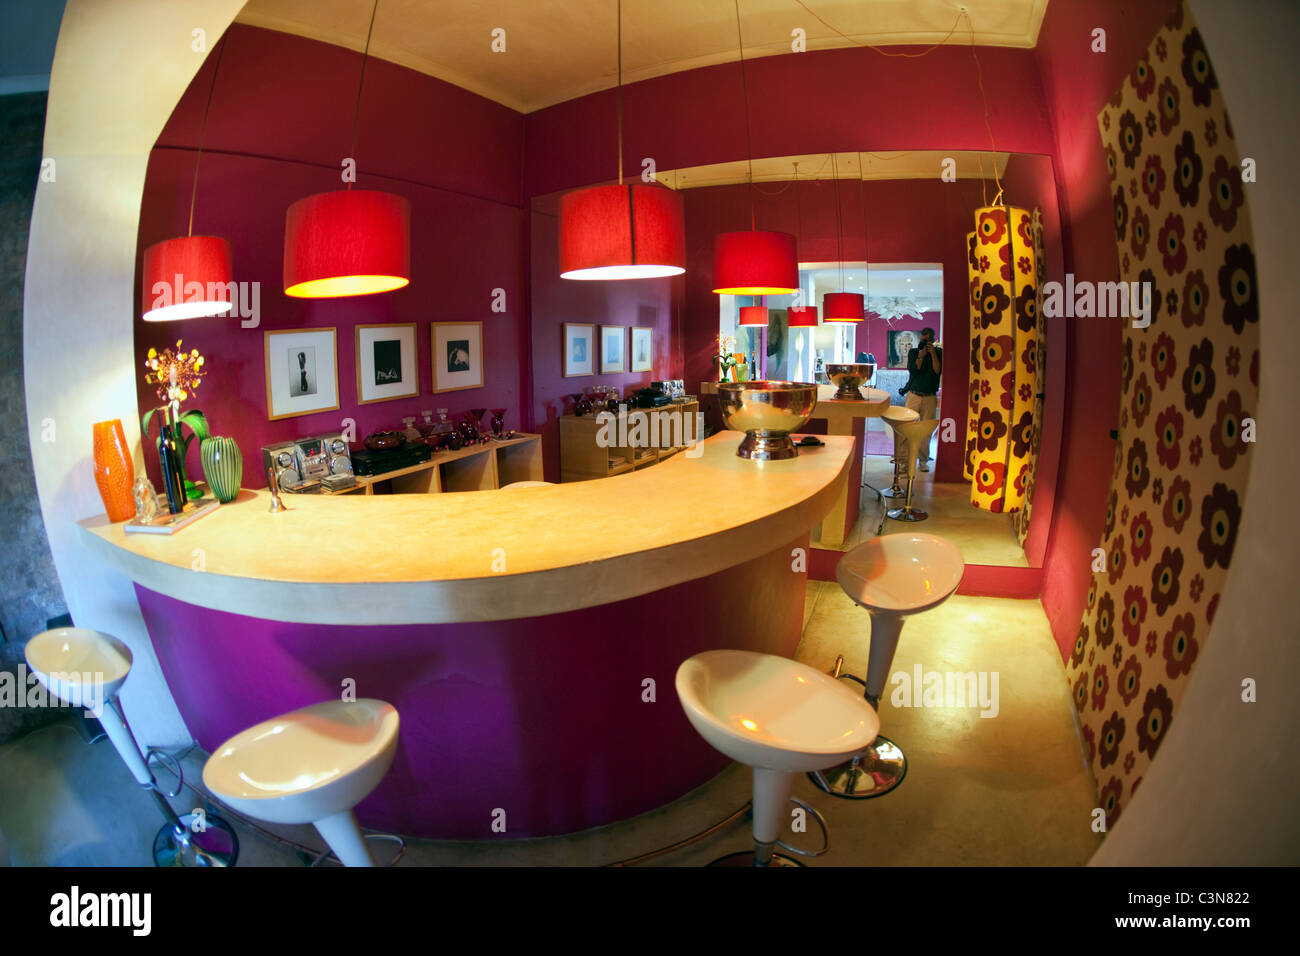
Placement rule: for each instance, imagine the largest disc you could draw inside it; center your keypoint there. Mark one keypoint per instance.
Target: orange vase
(114, 470)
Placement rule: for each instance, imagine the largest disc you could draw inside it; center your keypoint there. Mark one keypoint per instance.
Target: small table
(841, 418)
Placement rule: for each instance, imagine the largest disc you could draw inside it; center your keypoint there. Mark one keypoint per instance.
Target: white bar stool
(916, 436)
(86, 669)
(311, 765)
(892, 577)
(779, 717)
(893, 415)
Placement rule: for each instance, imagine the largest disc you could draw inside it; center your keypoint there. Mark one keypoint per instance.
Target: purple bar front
(541, 717)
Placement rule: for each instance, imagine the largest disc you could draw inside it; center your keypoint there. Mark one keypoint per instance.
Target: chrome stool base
(217, 845)
(746, 858)
(907, 514)
(873, 773)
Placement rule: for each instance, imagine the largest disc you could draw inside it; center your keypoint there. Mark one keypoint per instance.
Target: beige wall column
(119, 69)
(1222, 787)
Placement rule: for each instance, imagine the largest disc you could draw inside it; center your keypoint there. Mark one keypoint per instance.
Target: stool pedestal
(882, 766)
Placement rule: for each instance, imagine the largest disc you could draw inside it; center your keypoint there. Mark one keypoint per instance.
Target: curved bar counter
(528, 637)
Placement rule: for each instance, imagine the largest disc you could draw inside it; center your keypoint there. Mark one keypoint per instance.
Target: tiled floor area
(984, 538)
(1010, 789)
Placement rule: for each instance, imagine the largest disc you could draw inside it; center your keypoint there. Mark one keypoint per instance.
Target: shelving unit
(475, 468)
(631, 447)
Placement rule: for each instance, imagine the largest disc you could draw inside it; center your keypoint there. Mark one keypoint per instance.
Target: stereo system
(311, 464)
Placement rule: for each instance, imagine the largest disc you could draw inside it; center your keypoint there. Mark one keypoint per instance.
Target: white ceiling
(921, 283)
(560, 49)
(906, 164)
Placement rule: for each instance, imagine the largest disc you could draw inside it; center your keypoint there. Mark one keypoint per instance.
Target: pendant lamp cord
(866, 235)
(988, 125)
(744, 93)
(203, 132)
(839, 215)
(619, 95)
(356, 114)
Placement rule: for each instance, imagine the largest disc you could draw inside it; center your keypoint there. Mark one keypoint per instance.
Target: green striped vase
(223, 466)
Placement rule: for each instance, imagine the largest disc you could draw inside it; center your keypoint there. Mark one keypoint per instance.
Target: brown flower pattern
(1190, 381)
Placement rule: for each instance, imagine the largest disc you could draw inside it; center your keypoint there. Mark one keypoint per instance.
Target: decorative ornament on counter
(498, 421)
(146, 500)
(114, 469)
(223, 466)
(384, 440)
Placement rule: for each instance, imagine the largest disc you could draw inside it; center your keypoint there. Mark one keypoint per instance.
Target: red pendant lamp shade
(755, 263)
(753, 315)
(186, 278)
(844, 307)
(631, 231)
(803, 316)
(347, 242)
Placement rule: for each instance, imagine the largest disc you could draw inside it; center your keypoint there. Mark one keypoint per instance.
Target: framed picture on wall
(386, 366)
(642, 349)
(579, 349)
(613, 349)
(900, 342)
(302, 374)
(457, 355)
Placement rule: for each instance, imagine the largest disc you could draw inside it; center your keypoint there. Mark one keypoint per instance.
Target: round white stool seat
(771, 712)
(70, 661)
(526, 484)
(901, 573)
(897, 414)
(306, 765)
(916, 431)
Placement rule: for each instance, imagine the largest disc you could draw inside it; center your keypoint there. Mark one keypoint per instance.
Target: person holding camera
(924, 365)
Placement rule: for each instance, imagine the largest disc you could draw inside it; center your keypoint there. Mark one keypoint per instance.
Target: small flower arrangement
(177, 375)
(175, 372)
(726, 359)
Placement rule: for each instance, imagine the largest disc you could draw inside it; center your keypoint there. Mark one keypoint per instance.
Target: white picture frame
(643, 349)
(579, 349)
(386, 363)
(302, 372)
(613, 349)
(457, 355)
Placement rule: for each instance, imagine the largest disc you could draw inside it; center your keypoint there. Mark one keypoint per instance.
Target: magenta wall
(652, 303)
(279, 126)
(908, 221)
(1076, 83)
(800, 102)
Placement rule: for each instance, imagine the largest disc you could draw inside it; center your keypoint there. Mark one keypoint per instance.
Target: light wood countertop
(484, 555)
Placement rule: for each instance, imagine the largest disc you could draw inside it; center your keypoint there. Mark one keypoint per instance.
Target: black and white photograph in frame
(613, 349)
(301, 372)
(642, 349)
(579, 349)
(457, 355)
(386, 363)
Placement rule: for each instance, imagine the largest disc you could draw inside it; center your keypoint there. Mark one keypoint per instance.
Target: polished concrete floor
(983, 537)
(1010, 789)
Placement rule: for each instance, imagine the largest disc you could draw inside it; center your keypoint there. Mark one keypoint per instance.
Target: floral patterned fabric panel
(1020, 520)
(1005, 290)
(1189, 380)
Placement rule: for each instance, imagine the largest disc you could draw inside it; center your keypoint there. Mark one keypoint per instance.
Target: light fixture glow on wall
(1003, 457)
(753, 262)
(346, 242)
(189, 277)
(628, 231)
